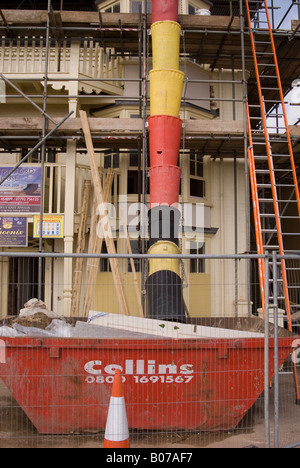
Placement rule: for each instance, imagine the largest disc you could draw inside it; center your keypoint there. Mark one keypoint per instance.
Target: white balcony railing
(28, 57)
(55, 187)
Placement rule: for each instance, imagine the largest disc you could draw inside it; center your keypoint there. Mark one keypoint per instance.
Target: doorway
(23, 282)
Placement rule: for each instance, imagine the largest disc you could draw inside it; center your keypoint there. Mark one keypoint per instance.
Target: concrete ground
(16, 431)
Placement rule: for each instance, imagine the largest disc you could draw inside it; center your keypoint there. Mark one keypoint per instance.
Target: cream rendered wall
(223, 216)
(26, 110)
(228, 92)
(131, 72)
(57, 289)
(194, 93)
(220, 194)
(105, 293)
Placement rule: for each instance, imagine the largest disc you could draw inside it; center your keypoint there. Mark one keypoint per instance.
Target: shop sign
(13, 232)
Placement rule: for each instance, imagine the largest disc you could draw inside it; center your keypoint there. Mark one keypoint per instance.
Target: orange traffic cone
(116, 431)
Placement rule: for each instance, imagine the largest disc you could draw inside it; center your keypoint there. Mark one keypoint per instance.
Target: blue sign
(13, 232)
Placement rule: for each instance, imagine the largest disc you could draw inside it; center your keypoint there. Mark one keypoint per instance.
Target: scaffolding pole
(43, 156)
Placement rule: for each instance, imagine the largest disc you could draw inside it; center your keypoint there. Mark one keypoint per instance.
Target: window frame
(199, 264)
(195, 176)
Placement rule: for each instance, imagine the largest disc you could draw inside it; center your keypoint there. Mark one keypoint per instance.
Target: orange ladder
(273, 175)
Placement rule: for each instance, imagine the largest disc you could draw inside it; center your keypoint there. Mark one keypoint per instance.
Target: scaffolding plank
(39, 17)
(100, 125)
(111, 125)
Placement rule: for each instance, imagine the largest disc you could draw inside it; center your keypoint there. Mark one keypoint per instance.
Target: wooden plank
(295, 130)
(296, 317)
(37, 17)
(214, 22)
(118, 280)
(111, 125)
(135, 279)
(215, 127)
(95, 246)
(295, 24)
(97, 125)
(80, 249)
(128, 20)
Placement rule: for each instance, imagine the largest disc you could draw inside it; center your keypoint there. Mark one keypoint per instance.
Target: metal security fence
(222, 377)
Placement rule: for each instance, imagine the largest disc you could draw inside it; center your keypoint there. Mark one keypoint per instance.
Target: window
(197, 182)
(104, 262)
(113, 9)
(197, 188)
(133, 158)
(134, 182)
(133, 174)
(196, 164)
(136, 249)
(111, 159)
(197, 265)
(34, 158)
(137, 5)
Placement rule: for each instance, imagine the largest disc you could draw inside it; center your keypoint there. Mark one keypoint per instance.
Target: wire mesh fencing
(220, 377)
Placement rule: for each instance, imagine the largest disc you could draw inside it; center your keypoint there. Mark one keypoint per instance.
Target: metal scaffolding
(220, 41)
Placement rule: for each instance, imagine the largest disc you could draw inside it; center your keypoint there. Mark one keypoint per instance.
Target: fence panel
(202, 383)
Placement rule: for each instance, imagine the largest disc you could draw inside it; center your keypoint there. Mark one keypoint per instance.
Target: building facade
(112, 86)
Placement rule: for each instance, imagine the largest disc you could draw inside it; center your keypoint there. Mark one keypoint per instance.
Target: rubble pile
(36, 320)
